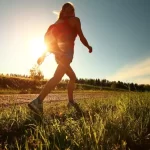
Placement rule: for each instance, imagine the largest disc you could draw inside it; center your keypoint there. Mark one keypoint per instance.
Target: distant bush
(18, 83)
(35, 83)
(86, 87)
(36, 73)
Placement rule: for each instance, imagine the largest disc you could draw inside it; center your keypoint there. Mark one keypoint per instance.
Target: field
(104, 120)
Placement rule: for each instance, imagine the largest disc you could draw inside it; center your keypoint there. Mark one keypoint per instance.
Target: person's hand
(90, 49)
(40, 60)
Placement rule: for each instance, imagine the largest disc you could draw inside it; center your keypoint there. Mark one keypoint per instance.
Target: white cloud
(142, 80)
(134, 73)
(55, 12)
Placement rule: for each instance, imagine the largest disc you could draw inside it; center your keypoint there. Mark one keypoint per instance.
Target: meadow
(110, 121)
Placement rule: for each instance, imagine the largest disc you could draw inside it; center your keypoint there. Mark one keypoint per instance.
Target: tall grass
(117, 123)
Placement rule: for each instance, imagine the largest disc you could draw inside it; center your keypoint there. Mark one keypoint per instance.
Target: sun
(37, 46)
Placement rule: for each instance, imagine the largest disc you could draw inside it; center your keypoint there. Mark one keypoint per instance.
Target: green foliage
(118, 122)
(15, 83)
(36, 81)
(86, 87)
(113, 85)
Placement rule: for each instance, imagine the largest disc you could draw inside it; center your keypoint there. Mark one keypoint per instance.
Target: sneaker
(36, 106)
(75, 105)
(70, 104)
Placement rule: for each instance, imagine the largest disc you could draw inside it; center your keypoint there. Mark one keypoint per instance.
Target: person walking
(60, 38)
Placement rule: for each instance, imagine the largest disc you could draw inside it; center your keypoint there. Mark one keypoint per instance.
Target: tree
(36, 73)
(113, 85)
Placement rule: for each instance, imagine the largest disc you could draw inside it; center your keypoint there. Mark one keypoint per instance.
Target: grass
(118, 122)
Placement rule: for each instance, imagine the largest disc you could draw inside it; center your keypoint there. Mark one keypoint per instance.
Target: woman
(64, 32)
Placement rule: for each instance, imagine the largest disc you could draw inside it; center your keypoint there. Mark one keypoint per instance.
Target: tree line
(115, 84)
(36, 78)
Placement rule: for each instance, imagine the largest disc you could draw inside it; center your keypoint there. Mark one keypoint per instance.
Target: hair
(68, 4)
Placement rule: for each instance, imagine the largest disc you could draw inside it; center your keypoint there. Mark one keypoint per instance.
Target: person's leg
(59, 73)
(71, 85)
(70, 73)
(37, 104)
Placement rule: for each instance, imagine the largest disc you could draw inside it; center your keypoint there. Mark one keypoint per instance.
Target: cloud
(139, 73)
(55, 12)
(142, 80)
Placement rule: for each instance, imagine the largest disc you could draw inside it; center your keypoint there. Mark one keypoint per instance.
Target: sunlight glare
(37, 46)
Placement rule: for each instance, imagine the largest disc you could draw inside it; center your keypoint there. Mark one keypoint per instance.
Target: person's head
(67, 10)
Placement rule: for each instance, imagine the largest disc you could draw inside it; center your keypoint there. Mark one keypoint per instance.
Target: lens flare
(37, 46)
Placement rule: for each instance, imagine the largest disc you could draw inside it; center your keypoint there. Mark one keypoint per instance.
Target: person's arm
(81, 35)
(41, 58)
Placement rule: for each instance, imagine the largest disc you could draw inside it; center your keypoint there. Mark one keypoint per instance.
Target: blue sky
(118, 31)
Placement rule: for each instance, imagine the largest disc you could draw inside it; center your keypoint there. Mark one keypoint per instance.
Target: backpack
(50, 38)
(58, 33)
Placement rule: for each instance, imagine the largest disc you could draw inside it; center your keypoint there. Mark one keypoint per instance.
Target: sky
(118, 31)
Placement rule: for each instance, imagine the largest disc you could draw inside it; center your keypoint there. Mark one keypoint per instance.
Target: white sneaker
(36, 106)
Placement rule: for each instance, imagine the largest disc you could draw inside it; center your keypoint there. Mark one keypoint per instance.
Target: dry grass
(112, 121)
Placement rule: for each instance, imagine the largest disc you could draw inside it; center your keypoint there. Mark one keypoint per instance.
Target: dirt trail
(6, 100)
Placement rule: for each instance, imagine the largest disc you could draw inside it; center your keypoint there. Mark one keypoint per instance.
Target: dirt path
(6, 100)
